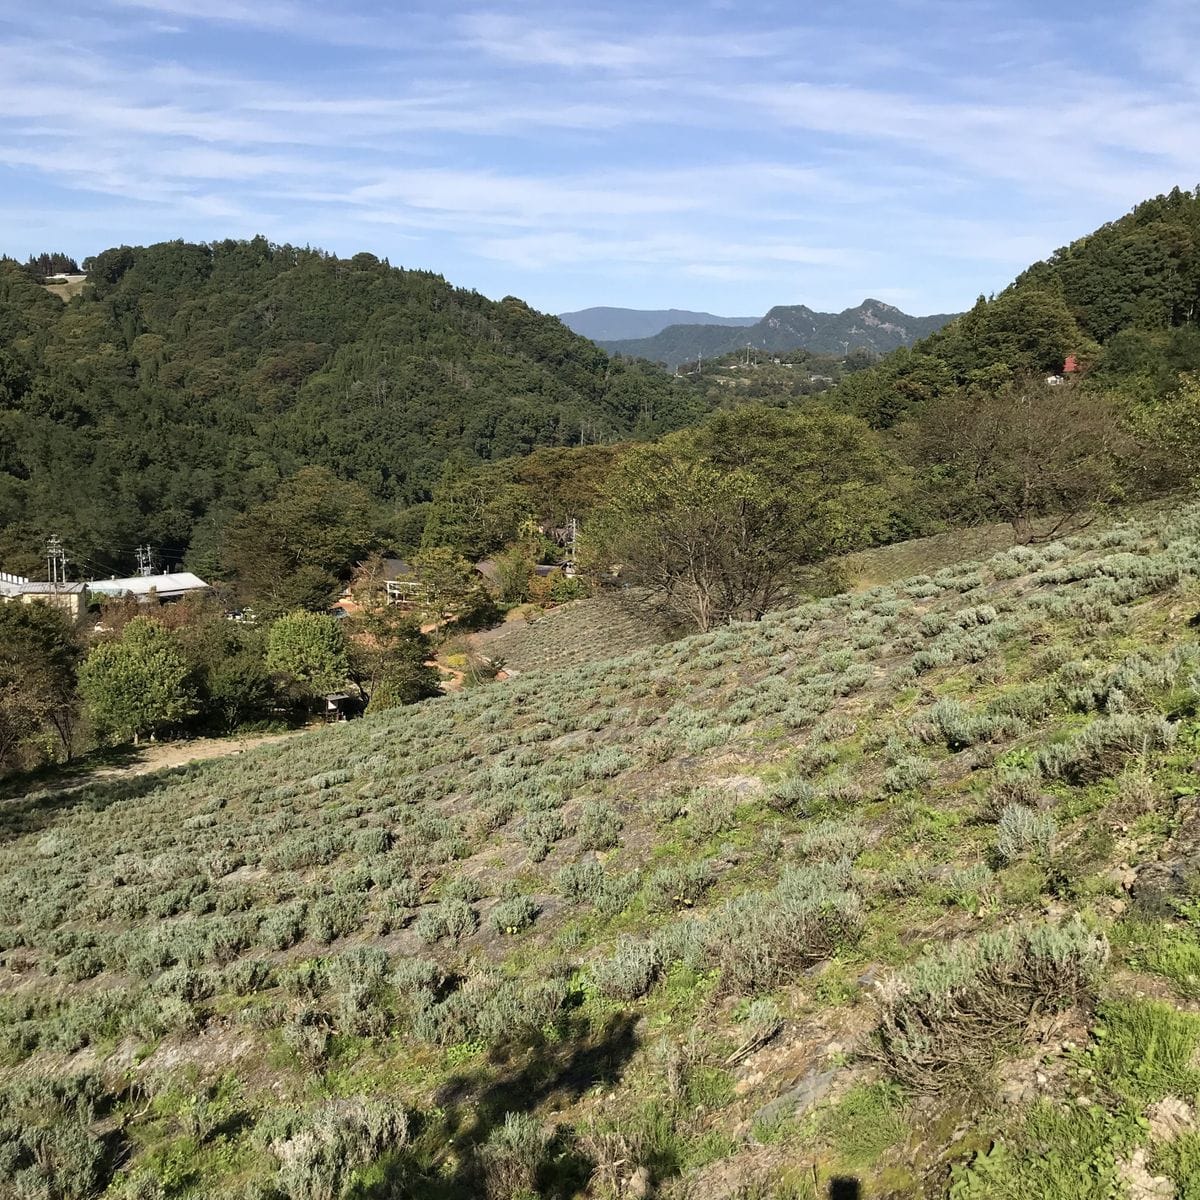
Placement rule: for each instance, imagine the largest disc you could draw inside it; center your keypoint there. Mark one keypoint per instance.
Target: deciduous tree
(451, 589)
(39, 654)
(1026, 451)
(308, 650)
(390, 658)
(137, 684)
(717, 522)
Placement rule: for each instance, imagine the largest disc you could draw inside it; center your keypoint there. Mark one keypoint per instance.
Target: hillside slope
(1123, 301)
(872, 325)
(612, 324)
(792, 900)
(189, 379)
(581, 631)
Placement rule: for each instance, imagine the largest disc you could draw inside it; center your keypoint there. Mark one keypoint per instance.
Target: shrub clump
(950, 722)
(513, 1155)
(951, 1015)
(763, 939)
(599, 827)
(579, 881)
(832, 838)
(318, 1153)
(1022, 831)
(47, 1144)
(629, 971)
(1100, 749)
(682, 885)
(909, 773)
(511, 916)
(454, 919)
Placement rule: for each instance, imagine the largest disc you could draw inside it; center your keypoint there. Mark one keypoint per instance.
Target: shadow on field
(44, 802)
(472, 1104)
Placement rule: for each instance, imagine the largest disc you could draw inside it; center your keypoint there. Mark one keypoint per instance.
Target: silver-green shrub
(947, 1019)
(512, 1156)
(762, 939)
(1022, 832)
(629, 971)
(511, 916)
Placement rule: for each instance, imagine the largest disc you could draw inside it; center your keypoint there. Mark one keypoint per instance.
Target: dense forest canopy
(188, 380)
(189, 384)
(1123, 301)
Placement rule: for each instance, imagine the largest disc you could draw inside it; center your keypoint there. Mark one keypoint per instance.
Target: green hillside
(188, 380)
(1122, 300)
(897, 887)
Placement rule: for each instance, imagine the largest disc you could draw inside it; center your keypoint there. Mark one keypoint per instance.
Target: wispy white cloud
(713, 155)
(528, 40)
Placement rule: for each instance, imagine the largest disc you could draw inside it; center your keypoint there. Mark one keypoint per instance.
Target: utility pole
(145, 560)
(56, 561)
(572, 545)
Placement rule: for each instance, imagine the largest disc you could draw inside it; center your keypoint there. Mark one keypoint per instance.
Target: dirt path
(155, 756)
(150, 756)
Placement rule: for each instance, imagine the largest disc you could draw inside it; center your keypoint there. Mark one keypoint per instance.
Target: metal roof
(141, 585)
(46, 589)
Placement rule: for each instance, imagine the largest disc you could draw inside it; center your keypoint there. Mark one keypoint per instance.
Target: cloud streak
(702, 156)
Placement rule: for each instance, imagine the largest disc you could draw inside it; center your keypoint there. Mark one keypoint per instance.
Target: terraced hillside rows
(582, 631)
(898, 886)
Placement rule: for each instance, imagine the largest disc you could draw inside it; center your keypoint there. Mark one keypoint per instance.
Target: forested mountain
(611, 324)
(188, 380)
(873, 326)
(1122, 300)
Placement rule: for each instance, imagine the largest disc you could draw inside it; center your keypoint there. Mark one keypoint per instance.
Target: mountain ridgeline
(188, 380)
(616, 324)
(872, 325)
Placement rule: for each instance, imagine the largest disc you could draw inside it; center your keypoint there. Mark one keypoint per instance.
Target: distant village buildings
(72, 598)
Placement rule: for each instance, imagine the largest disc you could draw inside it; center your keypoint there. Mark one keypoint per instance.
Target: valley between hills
(759, 780)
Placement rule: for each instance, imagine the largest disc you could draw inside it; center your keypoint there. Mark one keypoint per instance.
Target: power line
(91, 564)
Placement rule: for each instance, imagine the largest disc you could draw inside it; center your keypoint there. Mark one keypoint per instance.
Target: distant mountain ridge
(872, 325)
(618, 324)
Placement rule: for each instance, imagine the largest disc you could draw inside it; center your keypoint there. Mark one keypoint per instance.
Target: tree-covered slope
(897, 886)
(872, 325)
(188, 378)
(1123, 301)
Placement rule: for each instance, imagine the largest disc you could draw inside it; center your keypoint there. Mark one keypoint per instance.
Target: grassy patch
(867, 1121)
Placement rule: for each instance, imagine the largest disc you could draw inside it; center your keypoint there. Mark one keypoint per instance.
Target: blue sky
(716, 155)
